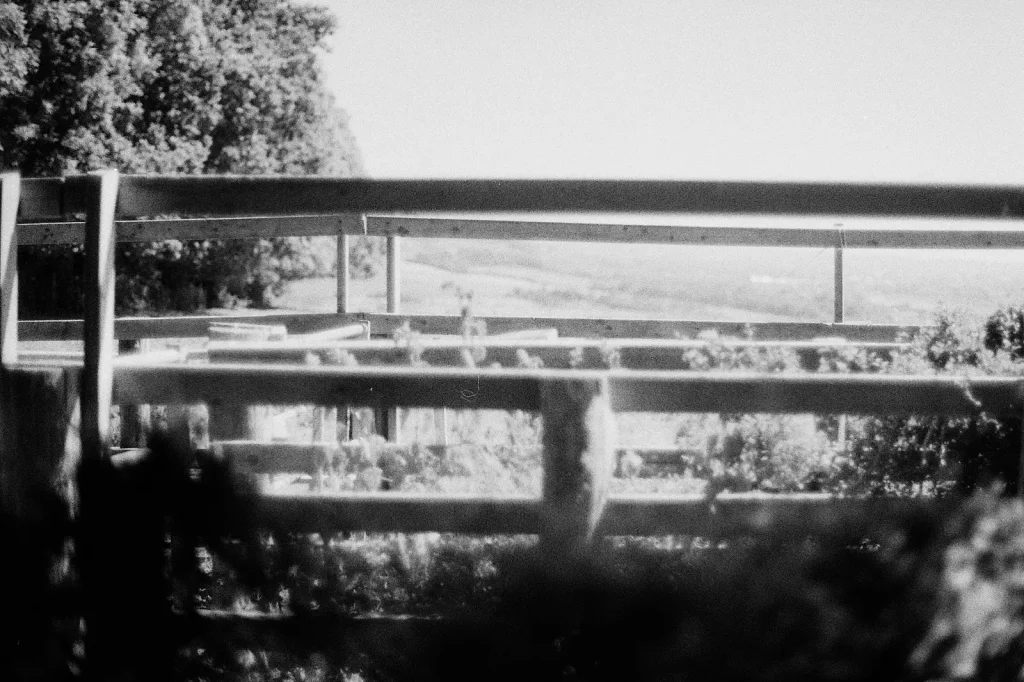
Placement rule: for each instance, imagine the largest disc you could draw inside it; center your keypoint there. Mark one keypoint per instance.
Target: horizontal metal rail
(268, 227)
(196, 229)
(141, 196)
(790, 237)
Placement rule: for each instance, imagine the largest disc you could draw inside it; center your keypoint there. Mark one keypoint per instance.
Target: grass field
(735, 284)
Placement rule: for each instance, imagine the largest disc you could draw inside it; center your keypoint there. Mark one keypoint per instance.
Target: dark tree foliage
(181, 86)
(1004, 332)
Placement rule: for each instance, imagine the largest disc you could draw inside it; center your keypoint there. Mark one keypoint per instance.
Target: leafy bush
(934, 455)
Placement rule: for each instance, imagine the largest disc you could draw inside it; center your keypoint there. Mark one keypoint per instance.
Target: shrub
(936, 454)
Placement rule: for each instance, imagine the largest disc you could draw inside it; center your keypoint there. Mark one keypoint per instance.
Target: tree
(178, 86)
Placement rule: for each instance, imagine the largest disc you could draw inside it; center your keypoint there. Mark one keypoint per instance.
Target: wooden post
(579, 442)
(39, 453)
(39, 446)
(10, 186)
(134, 418)
(96, 533)
(325, 418)
(325, 424)
(98, 333)
(344, 276)
(120, 542)
(240, 421)
(390, 421)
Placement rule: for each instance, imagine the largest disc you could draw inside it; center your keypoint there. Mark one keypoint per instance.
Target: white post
(10, 187)
(344, 249)
(98, 327)
(393, 427)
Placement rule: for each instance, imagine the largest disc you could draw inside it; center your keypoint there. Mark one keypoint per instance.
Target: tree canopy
(179, 86)
(176, 86)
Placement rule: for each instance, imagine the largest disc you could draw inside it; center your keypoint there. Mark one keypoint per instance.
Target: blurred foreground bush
(936, 595)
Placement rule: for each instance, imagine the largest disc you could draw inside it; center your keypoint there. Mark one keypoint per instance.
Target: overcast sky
(908, 91)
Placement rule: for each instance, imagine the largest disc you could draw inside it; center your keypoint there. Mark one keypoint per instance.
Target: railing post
(134, 418)
(120, 542)
(839, 314)
(579, 443)
(344, 248)
(839, 297)
(325, 419)
(10, 188)
(240, 420)
(98, 333)
(394, 274)
(40, 450)
(392, 424)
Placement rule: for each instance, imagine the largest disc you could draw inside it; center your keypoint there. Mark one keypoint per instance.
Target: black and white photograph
(513, 340)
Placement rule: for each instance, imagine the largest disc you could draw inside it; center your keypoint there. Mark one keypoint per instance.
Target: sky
(855, 91)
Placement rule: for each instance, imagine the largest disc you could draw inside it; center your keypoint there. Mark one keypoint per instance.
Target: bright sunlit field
(681, 282)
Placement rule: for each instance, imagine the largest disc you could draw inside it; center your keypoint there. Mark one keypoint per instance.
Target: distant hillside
(559, 279)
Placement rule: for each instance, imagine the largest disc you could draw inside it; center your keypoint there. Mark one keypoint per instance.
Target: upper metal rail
(140, 196)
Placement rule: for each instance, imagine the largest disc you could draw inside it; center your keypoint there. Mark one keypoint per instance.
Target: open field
(736, 284)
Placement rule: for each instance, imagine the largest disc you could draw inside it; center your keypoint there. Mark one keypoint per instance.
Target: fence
(56, 199)
(113, 206)
(576, 405)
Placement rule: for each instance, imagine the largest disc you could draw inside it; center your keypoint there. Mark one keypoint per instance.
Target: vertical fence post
(391, 415)
(240, 420)
(344, 248)
(839, 314)
(39, 450)
(120, 544)
(325, 419)
(394, 274)
(839, 295)
(10, 187)
(579, 442)
(134, 418)
(98, 333)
